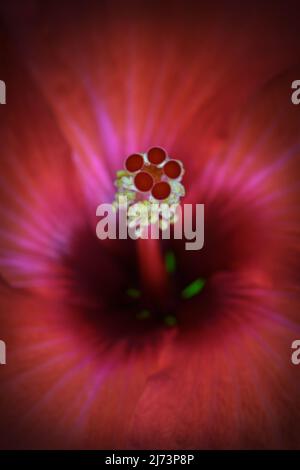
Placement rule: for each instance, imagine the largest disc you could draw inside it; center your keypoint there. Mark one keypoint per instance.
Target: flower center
(168, 317)
(150, 178)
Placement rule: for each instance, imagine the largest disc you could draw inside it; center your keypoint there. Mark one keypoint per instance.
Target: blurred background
(88, 83)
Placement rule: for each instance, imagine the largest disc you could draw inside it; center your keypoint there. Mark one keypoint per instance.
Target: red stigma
(156, 155)
(161, 190)
(143, 181)
(172, 169)
(134, 163)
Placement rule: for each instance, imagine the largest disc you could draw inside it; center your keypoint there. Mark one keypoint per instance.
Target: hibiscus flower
(143, 344)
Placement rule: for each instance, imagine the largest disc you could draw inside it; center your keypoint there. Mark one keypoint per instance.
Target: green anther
(122, 173)
(170, 262)
(170, 320)
(193, 289)
(134, 293)
(143, 315)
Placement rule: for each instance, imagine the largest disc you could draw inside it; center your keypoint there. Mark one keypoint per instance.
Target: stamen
(149, 178)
